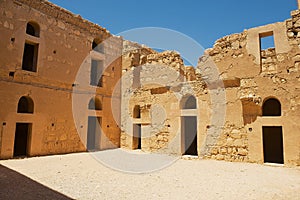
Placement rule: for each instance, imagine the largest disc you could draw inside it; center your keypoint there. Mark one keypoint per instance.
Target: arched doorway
(137, 129)
(94, 130)
(272, 135)
(189, 126)
(23, 130)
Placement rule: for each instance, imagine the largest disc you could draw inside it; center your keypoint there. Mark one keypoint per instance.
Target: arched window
(97, 45)
(271, 107)
(33, 29)
(188, 102)
(137, 111)
(30, 53)
(25, 105)
(95, 104)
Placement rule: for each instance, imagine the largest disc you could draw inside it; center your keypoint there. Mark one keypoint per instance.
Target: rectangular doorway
(94, 133)
(189, 135)
(137, 136)
(22, 139)
(273, 144)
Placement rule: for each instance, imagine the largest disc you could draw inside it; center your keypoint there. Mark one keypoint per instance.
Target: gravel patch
(81, 176)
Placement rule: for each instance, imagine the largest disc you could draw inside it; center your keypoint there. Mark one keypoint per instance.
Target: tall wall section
(63, 46)
(232, 83)
(260, 74)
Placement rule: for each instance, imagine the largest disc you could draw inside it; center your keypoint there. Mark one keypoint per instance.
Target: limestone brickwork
(262, 74)
(247, 75)
(215, 110)
(64, 45)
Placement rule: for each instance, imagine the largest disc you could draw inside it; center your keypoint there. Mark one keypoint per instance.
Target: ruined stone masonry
(240, 103)
(261, 104)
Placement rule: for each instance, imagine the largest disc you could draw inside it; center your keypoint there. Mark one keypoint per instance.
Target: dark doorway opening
(137, 136)
(22, 137)
(273, 144)
(30, 57)
(94, 133)
(189, 135)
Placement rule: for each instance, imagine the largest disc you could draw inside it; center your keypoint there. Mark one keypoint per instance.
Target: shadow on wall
(14, 185)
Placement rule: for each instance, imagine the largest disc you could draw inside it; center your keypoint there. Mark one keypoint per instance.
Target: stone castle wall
(231, 83)
(64, 45)
(249, 76)
(262, 74)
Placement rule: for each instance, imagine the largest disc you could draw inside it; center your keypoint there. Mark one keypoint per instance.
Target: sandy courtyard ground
(80, 176)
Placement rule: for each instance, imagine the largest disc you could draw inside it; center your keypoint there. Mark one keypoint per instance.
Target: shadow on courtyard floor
(14, 185)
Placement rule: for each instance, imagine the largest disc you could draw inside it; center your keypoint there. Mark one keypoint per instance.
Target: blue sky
(204, 21)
